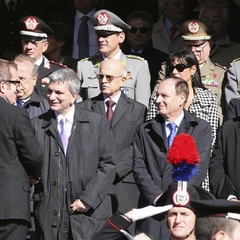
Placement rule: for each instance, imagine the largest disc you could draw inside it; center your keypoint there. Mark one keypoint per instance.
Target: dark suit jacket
(154, 57)
(233, 110)
(225, 165)
(20, 157)
(127, 116)
(86, 172)
(151, 171)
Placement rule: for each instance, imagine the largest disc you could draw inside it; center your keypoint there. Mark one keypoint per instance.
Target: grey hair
(5, 73)
(66, 75)
(23, 58)
(225, 15)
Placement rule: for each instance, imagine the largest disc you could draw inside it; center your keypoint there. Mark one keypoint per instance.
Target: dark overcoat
(151, 170)
(86, 172)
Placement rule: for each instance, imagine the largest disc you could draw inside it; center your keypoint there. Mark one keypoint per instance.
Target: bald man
(127, 114)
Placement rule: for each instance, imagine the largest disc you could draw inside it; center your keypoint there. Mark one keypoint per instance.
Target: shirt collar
(69, 116)
(39, 61)
(115, 98)
(177, 121)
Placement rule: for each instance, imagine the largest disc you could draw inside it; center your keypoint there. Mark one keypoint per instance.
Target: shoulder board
(235, 60)
(134, 57)
(89, 58)
(58, 64)
(218, 65)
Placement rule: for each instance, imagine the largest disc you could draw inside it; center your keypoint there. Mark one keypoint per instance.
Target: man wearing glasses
(34, 33)
(123, 118)
(110, 30)
(28, 96)
(139, 42)
(20, 158)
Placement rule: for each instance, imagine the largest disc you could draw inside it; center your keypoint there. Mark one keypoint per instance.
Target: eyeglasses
(179, 67)
(197, 48)
(141, 29)
(16, 82)
(34, 42)
(109, 78)
(25, 80)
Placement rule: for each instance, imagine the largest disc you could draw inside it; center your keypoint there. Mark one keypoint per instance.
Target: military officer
(197, 38)
(34, 33)
(110, 35)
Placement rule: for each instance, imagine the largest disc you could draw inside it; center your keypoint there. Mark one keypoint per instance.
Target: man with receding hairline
(152, 141)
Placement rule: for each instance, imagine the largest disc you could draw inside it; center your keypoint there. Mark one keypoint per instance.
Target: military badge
(31, 23)
(103, 18)
(193, 27)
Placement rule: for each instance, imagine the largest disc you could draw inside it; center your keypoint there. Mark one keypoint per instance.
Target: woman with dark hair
(202, 102)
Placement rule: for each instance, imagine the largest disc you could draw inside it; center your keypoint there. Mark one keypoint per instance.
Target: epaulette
(96, 59)
(89, 58)
(219, 65)
(135, 57)
(59, 64)
(235, 60)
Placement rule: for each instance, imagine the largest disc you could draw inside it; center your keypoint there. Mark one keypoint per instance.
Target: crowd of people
(99, 103)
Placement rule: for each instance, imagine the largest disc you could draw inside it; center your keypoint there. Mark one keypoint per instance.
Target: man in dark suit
(34, 32)
(127, 115)
(20, 158)
(28, 96)
(79, 163)
(153, 139)
(224, 164)
(139, 42)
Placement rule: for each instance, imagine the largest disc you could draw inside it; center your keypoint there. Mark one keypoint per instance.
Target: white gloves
(141, 213)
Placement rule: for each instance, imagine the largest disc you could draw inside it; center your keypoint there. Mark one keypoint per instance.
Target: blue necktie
(173, 131)
(83, 38)
(20, 103)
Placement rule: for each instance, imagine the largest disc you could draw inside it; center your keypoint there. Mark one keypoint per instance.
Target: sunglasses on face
(179, 67)
(109, 78)
(141, 29)
(16, 82)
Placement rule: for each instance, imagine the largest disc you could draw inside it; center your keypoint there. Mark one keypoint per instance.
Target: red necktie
(110, 104)
(173, 30)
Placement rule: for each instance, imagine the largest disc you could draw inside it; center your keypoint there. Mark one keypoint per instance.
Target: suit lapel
(121, 108)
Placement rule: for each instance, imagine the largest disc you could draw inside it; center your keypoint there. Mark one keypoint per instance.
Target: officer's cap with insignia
(216, 208)
(107, 23)
(194, 32)
(184, 158)
(34, 29)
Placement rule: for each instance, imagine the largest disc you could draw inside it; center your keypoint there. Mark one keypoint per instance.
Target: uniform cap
(216, 208)
(107, 22)
(194, 32)
(34, 28)
(182, 198)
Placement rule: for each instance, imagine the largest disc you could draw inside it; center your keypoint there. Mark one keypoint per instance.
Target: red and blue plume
(184, 157)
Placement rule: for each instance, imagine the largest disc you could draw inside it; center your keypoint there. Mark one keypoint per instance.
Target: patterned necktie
(64, 134)
(20, 103)
(173, 30)
(110, 104)
(83, 38)
(173, 131)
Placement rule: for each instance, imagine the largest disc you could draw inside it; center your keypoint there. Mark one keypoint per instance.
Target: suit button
(54, 212)
(56, 154)
(54, 183)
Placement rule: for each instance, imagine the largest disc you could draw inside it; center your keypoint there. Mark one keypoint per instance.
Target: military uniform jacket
(232, 88)
(86, 172)
(137, 88)
(45, 69)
